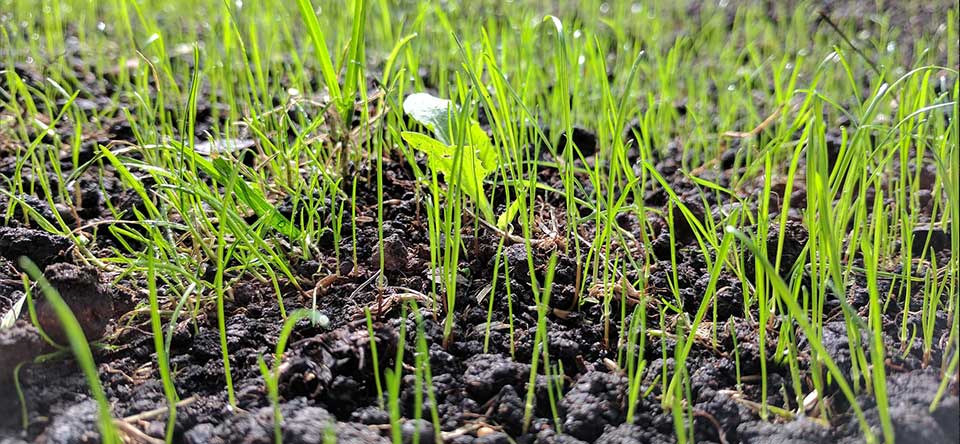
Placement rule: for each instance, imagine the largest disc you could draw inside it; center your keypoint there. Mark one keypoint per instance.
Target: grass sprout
(771, 187)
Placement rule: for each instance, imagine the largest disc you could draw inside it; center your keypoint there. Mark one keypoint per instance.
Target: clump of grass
(736, 78)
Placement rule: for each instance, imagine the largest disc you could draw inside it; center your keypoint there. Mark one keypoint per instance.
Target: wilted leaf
(221, 146)
(10, 317)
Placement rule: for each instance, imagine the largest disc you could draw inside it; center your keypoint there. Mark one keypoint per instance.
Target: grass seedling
(394, 378)
(353, 221)
(342, 97)
(636, 364)
(542, 299)
(782, 292)
(684, 349)
(163, 365)
(675, 396)
(220, 290)
(374, 355)
(216, 116)
(424, 376)
(877, 355)
(24, 414)
(381, 283)
(271, 377)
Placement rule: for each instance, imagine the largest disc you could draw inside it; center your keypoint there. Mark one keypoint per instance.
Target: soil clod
(39, 246)
(90, 300)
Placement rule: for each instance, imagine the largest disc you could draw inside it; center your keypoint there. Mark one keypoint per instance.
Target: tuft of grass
(854, 124)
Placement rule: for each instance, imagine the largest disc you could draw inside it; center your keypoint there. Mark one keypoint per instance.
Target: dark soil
(327, 375)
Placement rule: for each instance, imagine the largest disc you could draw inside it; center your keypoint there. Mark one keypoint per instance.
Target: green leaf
(431, 112)
(508, 215)
(440, 158)
(483, 147)
(479, 158)
(432, 147)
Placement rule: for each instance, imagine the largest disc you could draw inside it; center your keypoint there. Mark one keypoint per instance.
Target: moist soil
(327, 378)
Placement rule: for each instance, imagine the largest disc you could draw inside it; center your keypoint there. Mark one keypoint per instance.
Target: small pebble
(484, 431)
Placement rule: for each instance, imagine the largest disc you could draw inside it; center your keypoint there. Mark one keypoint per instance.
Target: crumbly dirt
(327, 375)
(327, 378)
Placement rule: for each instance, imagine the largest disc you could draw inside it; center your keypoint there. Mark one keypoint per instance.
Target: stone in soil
(395, 254)
(508, 410)
(633, 434)
(90, 301)
(39, 207)
(77, 424)
(910, 396)
(800, 431)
